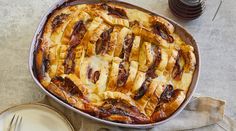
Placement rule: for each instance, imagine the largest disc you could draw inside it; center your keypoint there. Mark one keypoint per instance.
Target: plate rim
(66, 121)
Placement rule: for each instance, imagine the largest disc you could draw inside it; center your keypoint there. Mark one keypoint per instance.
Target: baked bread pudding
(114, 63)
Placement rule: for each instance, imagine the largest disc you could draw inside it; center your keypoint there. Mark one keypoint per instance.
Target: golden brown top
(115, 63)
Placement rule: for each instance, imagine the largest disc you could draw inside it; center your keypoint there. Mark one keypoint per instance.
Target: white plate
(36, 117)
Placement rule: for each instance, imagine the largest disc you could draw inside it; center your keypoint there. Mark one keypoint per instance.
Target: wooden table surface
(216, 39)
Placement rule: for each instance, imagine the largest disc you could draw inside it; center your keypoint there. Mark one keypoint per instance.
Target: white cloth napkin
(202, 113)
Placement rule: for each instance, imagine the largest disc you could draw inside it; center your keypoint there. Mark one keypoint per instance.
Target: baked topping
(58, 20)
(118, 12)
(127, 47)
(89, 72)
(96, 76)
(123, 74)
(178, 68)
(115, 63)
(167, 93)
(71, 87)
(143, 89)
(112, 107)
(151, 71)
(46, 64)
(77, 35)
(103, 43)
(157, 29)
(67, 85)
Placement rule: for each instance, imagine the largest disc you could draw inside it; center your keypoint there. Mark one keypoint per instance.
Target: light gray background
(216, 39)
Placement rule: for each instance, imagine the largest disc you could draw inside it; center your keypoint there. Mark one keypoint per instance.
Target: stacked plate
(187, 9)
(34, 117)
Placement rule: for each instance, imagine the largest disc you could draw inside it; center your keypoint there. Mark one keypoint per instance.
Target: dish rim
(60, 3)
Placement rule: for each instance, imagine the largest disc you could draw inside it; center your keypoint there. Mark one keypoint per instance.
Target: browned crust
(118, 107)
(39, 58)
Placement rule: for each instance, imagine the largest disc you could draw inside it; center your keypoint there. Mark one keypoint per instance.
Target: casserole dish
(184, 35)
